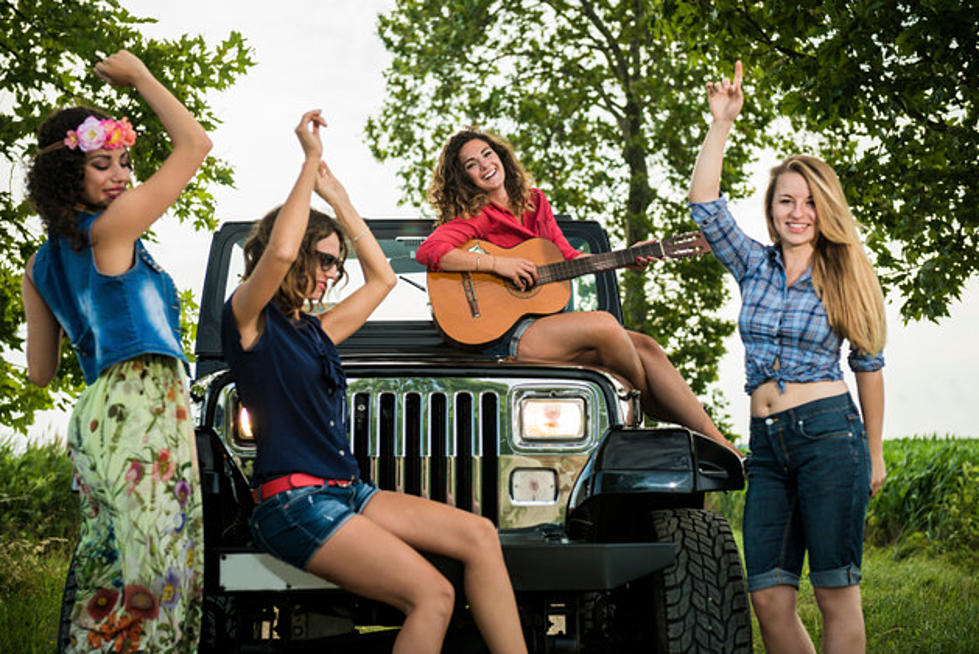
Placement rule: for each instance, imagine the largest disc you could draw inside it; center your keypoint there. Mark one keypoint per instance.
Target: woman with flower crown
(138, 563)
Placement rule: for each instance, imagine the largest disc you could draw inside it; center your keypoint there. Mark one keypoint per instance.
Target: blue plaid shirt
(786, 334)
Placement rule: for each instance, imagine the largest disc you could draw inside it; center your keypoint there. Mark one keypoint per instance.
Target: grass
(32, 576)
(912, 603)
(920, 591)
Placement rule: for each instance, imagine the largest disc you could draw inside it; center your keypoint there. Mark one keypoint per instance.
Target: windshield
(408, 300)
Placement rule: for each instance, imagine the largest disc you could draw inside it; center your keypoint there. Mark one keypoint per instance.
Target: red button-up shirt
(498, 226)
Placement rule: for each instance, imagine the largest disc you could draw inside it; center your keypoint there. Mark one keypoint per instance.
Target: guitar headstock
(691, 244)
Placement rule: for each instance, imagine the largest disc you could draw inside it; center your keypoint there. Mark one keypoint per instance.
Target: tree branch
(768, 40)
(617, 61)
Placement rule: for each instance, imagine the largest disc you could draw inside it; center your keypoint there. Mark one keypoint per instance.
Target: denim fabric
(109, 318)
(294, 524)
(808, 488)
(507, 346)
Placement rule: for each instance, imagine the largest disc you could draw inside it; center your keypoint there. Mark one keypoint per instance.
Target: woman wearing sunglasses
(312, 509)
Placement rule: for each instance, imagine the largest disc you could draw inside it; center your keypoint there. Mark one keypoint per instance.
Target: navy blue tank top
(293, 385)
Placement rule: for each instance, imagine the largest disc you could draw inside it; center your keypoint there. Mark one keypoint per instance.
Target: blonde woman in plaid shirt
(812, 465)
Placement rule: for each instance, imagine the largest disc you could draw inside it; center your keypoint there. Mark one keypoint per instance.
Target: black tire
(702, 604)
(696, 605)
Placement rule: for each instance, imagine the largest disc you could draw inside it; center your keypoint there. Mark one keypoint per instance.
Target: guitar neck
(556, 272)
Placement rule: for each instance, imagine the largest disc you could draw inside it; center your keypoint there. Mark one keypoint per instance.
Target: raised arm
(350, 314)
(725, 99)
(134, 211)
(286, 237)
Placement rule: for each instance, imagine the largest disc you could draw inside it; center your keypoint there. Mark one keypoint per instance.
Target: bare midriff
(767, 399)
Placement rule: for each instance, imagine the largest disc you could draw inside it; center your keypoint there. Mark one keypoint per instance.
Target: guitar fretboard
(556, 272)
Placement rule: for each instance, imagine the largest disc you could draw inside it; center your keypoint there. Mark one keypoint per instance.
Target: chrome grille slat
(428, 443)
(463, 450)
(448, 439)
(423, 410)
(437, 434)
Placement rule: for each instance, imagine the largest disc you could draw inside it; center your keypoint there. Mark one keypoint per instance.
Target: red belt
(295, 480)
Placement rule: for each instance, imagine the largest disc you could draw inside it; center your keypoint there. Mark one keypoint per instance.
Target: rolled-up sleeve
(446, 237)
(863, 362)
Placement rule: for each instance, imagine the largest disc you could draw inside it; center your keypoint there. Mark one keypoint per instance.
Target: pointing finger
(738, 74)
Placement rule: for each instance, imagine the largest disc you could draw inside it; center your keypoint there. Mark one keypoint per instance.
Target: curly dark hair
(55, 178)
(292, 291)
(453, 194)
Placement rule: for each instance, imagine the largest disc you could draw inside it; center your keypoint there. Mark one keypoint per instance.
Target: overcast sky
(313, 54)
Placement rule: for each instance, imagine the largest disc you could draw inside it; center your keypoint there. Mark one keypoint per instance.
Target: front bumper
(536, 558)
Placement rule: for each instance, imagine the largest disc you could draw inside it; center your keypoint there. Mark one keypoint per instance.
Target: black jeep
(601, 520)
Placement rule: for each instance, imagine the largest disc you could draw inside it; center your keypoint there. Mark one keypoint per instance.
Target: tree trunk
(635, 307)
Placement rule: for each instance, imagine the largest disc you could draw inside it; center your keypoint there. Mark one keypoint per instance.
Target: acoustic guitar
(477, 308)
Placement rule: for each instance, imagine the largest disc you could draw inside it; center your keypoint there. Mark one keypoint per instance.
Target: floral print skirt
(139, 561)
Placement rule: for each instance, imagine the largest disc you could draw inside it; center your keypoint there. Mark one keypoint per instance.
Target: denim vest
(108, 318)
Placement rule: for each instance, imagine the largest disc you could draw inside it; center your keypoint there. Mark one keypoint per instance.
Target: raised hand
(121, 69)
(328, 186)
(308, 132)
(725, 97)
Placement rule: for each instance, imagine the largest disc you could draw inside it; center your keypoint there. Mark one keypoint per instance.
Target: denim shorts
(808, 488)
(507, 346)
(294, 524)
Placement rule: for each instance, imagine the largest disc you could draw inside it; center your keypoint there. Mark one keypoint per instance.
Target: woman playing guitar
(480, 190)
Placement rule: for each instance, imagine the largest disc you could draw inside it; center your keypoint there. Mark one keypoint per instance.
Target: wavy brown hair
(292, 291)
(55, 179)
(841, 272)
(453, 194)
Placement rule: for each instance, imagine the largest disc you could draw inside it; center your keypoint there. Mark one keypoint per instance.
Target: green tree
(604, 103)
(889, 88)
(47, 49)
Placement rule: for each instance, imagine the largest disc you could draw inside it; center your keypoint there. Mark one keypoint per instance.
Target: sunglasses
(328, 261)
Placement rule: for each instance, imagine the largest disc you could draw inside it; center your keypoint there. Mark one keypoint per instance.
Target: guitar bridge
(470, 291)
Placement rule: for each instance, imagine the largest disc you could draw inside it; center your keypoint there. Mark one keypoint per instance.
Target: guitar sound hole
(519, 292)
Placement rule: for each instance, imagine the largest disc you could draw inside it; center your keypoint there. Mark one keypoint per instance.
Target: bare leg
(843, 628)
(368, 560)
(597, 338)
(668, 394)
(588, 337)
(781, 628)
(438, 528)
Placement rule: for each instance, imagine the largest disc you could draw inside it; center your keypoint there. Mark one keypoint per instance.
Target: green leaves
(889, 87)
(930, 498)
(47, 50)
(605, 106)
(604, 103)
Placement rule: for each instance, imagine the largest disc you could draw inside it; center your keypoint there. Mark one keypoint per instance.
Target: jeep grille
(441, 444)
(447, 438)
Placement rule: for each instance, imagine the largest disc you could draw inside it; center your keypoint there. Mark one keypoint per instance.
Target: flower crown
(94, 134)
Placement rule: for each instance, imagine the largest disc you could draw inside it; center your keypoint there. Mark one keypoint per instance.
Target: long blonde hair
(841, 272)
(453, 194)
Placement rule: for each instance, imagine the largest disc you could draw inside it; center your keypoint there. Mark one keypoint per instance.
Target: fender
(644, 465)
